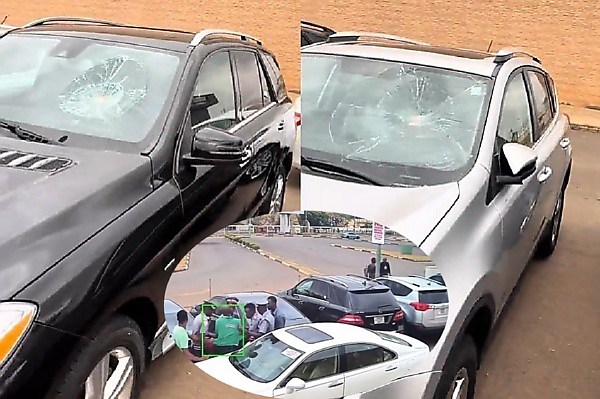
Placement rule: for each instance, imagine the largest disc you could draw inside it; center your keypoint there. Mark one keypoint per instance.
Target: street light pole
(378, 259)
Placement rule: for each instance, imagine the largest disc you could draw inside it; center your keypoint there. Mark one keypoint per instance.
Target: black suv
(347, 299)
(311, 33)
(121, 148)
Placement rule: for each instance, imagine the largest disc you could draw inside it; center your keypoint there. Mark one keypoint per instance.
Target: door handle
(281, 125)
(544, 174)
(336, 384)
(300, 302)
(391, 368)
(565, 143)
(321, 307)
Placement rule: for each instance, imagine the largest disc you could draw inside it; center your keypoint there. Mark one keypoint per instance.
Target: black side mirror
(214, 146)
(518, 163)
(204, 101)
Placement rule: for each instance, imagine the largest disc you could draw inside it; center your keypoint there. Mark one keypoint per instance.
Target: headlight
(15, 320)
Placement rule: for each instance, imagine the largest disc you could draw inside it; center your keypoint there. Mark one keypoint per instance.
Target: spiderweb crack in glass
(107, 90)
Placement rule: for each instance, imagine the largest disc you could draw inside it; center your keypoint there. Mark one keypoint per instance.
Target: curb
(388, 254)
(587, 128)
(184, 264)
(393, 241)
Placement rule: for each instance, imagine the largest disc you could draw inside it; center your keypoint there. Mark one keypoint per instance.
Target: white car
(298, 122)
(320, 361)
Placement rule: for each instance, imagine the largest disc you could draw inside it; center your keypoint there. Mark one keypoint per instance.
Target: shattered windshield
(400, 124)
(84, 89)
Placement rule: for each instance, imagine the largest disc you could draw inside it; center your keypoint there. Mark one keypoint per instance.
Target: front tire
(460, 373)
(110, 362)
(274, 204)
(548, 243)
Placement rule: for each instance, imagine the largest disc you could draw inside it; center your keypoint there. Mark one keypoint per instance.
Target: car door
(321, 373)
(301, 298)
(368, 366)
(261, 126)
(207, 190)
(517, 203)
(321, 294)
(550, 141)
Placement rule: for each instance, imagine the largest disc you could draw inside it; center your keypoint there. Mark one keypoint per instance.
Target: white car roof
(468, 61)
(424, 283)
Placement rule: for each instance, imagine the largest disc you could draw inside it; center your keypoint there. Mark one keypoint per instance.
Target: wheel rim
(113, 376)
(277, 197)
(556, 220)
(459, 389)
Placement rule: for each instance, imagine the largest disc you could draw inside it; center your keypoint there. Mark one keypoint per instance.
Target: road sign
(378, 234)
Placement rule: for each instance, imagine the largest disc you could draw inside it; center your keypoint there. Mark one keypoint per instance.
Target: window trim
(534, 111)
(341, 367)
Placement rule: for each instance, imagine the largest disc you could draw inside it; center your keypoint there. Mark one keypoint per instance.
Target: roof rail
(52, 20)
(350, 36)
(317, 26)
(506, 54)
(333, 280)
(202, 35)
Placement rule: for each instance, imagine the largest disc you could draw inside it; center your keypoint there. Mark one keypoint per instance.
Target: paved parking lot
(546, 345)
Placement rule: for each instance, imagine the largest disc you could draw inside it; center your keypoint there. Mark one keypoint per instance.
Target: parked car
(326, 360)
(311, 33)
(120, 149)
(347, 299)
(438, 277)
(350, 235)
(466, 154)
(424, 303)
(293, 316)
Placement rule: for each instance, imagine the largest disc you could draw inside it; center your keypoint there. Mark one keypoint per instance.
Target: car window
(320, 290)
(275, 75)
(396, 288)
(267, 95)
(372, 299)
(213, 101)
(515, 116)
(303, 288)
(339, 296)
(433, 297)
(359, 356)
(318, 365)
(541, 102)
(251, 91)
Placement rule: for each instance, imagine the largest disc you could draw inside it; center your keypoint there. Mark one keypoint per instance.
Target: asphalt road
(319, 255)
(291, 202)
(546, 345)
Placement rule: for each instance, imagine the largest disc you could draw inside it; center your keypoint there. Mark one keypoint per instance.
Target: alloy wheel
(459, 389)
(277, 196)
(113, 377)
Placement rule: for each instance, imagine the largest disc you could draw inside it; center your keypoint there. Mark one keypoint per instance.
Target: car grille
(30, 161)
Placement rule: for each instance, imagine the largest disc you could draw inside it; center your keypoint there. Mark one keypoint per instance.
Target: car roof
(464, 60)
(418, 283)
(352, 282)
(331, 334)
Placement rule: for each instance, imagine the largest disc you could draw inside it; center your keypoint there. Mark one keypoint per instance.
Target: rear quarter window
(433, 297)
(275, 75)
(371, 299)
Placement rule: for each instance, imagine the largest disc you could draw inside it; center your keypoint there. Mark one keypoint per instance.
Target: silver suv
(462, 152)
(424, 302)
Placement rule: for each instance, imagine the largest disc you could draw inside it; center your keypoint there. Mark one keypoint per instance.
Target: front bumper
(32, 367)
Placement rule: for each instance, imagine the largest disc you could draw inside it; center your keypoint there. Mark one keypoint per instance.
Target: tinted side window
(319, 365)
(515, 116)
(275, 76)
(339, 296)
(320, 290)
(213, 100)
(359, 356)
(541, 102)
(267, 95)
(396, 288)
(303, 288)
(433, 297)
(251, 91)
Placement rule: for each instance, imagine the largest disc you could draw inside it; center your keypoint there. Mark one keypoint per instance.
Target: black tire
(265, 209)
(548, 243)
(120, 331)
(463, 358)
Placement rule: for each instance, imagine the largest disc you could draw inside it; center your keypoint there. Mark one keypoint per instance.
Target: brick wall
(564, 34)
(273, 21)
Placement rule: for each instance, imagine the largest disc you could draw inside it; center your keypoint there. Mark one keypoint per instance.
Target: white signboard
(378, 234)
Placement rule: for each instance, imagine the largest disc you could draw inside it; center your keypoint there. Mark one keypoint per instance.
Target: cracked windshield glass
(85, 89)
(395, 124)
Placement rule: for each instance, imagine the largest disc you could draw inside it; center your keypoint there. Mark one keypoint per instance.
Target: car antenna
(4, 20)
(490, 45)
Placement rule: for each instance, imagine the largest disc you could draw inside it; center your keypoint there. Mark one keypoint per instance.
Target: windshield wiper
(25, 134)
(331, 168)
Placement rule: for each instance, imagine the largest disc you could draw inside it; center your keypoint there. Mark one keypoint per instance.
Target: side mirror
(295, 384)
(521, 162)
(204, 101)
(213, 146)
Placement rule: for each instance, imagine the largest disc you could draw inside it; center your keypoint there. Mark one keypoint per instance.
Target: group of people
(223, 329)
(370, 270)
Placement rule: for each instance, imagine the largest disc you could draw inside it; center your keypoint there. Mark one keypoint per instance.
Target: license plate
(379, 320)
(442, 311)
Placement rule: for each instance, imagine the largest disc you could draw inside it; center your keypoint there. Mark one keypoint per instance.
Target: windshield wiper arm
(25, 134)
(317, 164)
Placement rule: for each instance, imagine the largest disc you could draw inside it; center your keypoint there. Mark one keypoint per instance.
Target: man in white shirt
(267, 322)
(253, 320)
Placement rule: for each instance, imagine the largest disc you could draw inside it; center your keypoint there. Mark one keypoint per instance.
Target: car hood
(413, 211)
(45, 215)
(221, 369)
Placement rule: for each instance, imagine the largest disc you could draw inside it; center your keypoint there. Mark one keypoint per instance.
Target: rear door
(321, 372)
(368, 366)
